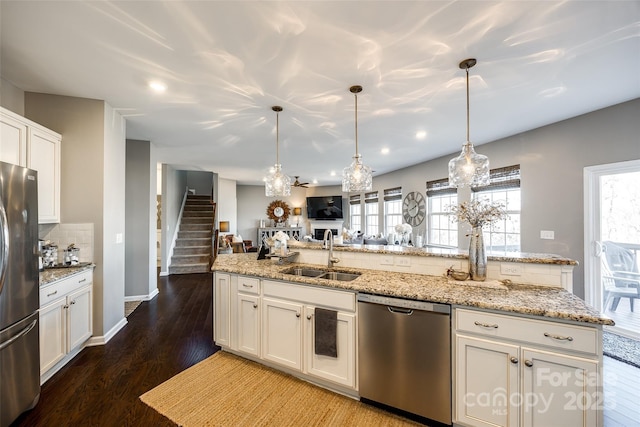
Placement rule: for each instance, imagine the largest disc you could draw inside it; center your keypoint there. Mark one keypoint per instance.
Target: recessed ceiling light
(421, 134)
(315, 181)
(333, 173)
(158, 86)
(384, 151)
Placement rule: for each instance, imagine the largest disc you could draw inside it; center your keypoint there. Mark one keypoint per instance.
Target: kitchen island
(508, 340)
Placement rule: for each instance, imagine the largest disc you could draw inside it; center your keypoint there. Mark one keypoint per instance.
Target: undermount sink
(343, 277)
(322, 274)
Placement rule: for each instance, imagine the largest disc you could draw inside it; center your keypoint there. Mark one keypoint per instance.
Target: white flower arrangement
(403, 228)
(478, 212)
(281, 237)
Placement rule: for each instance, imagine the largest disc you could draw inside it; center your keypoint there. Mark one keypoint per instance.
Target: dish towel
(326, 331)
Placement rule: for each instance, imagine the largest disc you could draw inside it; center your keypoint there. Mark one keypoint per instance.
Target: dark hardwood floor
(101, 386)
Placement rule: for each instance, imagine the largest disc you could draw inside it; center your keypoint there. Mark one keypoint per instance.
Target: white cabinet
(66, 321)
(512, 371)
(274, 322)
(13, 139)
(222, 309)
(43, 155)
(341, 369)
(26, 143)
(282, 335)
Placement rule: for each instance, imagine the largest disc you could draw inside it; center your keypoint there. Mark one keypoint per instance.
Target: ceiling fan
(297, 183)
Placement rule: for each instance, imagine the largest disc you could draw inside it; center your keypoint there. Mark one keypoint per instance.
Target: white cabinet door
(53, 334)
(80, 317)
(43, 155)
(341, 369)
(222, 313)
(248, 325)
(486, 377)
(563, 390)
(13, 140)
(282, 333)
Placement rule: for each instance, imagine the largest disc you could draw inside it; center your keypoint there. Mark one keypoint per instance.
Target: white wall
(174, 185)
(11, 97)
(227, 207)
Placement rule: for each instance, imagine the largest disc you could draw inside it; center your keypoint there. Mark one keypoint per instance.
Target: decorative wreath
(278, 204)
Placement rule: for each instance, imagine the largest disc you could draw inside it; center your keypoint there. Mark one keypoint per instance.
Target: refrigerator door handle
(25, 331)
(4, 244)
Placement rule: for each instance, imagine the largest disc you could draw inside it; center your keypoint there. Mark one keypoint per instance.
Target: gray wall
(201, 182)
(174, 185)
(11, 97)
(140, 246)
(92, 188)
(552, 159)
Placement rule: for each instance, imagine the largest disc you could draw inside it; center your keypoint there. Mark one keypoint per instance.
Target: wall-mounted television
(326, 207)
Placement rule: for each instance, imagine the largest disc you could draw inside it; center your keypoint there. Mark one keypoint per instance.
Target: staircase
(192, 251)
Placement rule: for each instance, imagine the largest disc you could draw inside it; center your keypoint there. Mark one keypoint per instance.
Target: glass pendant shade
(469, 169)
(356, 177)
(277, 184)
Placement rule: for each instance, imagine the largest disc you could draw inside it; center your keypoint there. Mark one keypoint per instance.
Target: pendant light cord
(278, 137)
(467, 70)
(356, 121)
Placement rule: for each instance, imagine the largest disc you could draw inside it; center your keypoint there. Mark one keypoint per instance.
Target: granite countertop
(524, 257)
(542, 301)
(56, 273)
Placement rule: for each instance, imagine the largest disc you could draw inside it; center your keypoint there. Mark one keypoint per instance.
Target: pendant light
(469, 169)
(356, 177)
(277, 183)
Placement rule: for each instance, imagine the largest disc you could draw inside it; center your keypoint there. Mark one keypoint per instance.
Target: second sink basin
(343, 277)
(322, 274)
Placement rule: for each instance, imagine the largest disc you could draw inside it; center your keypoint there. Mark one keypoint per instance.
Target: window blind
(393, 194)
(501, 178)
(354, 200)
(371, 197)
(440, 187)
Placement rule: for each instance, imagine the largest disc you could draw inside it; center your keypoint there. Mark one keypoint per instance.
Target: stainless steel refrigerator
(19, 292)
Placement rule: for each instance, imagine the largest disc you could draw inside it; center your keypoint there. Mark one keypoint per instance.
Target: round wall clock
(278, 211)
(413, 208)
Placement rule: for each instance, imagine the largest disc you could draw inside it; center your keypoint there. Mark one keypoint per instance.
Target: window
(392, 209)
(504, 186)
(355, 213)
(441, 230)
(371, 214)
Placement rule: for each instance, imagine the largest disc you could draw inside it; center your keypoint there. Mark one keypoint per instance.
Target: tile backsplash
(65, 234)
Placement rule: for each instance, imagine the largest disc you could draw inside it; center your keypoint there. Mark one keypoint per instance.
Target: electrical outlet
(509, 269)
(387, 260)
(547, 234)
(403, 261)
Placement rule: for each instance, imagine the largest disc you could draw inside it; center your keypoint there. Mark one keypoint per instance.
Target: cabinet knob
(528, 363)
(255, 305)
(73, 302)
(297, 314)
(514, 360)
(308, 317)
(66, 306)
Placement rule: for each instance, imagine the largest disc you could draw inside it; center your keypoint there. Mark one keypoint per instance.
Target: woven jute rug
(226, 390)
(130, 306)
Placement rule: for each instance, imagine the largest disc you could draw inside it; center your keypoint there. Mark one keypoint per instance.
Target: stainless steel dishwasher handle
(405, 311)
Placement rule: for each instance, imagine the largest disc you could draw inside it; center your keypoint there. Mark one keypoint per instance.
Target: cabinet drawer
(308, 294)
(249, 285)
(540, 332)
(60, 288)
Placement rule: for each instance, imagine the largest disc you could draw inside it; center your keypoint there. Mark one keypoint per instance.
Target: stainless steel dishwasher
(404, 355)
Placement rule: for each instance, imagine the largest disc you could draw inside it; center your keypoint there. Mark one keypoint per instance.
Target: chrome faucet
(328, 244)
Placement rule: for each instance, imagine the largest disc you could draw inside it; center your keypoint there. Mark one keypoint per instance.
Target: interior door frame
(592, 174)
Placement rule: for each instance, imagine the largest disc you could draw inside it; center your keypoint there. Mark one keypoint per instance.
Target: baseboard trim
(103, 339)
(147, 297)
(164, 273)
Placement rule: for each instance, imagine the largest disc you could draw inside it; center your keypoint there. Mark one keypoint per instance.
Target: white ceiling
(225, 63)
